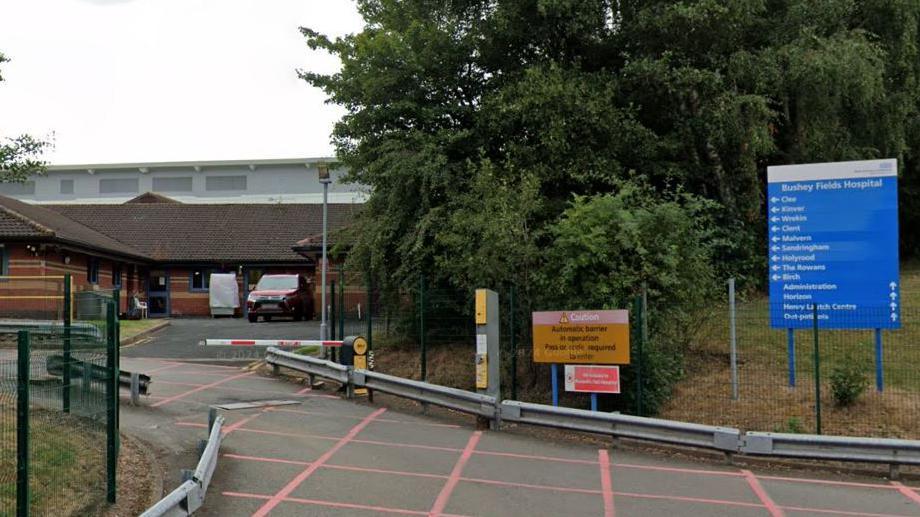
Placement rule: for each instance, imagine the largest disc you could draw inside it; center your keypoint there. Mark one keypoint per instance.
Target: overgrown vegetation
(577, 149)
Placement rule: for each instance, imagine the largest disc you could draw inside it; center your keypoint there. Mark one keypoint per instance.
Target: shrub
(793, 426)
(604, 248)
(848, 382)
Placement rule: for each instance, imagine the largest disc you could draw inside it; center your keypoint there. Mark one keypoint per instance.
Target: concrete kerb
(140, 336)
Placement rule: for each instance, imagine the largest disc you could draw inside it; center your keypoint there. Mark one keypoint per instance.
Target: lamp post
(324, 178)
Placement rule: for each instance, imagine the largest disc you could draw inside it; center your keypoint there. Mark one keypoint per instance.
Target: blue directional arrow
(839, 235)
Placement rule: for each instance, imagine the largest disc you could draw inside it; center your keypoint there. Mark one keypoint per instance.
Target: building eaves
(191, 164)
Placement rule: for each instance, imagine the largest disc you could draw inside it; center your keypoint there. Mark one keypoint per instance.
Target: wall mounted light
(67, 259)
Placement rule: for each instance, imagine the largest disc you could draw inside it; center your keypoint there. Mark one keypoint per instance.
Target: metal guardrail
(39, 327)
(189, 496)
(724, 439)
(836, 448)
(309, 365)
(451, 398)
(653, 429)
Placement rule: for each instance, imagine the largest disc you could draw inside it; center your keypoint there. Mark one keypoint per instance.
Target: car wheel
(298, 314)
(253, 318)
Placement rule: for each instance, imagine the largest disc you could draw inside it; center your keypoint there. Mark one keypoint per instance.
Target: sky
(168, 80)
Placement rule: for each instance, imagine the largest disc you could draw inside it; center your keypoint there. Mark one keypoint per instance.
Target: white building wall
(267, 181)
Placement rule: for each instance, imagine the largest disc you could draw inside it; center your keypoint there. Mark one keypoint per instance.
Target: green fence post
(421, 325)
(111, 399)
(513, 334)
(817, 371)
(116, 296)
(341, 302)
(22, 425)
(639, 352)
(332, 322)
(368, 313)
(65, 393)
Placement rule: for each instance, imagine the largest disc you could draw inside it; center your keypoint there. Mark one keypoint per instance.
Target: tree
(453, 105)
(20, 156)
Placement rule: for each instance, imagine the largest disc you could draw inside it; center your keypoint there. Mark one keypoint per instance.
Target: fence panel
(780, 376)
(66, 393)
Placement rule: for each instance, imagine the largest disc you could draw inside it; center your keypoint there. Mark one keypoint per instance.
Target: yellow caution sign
(581, 337)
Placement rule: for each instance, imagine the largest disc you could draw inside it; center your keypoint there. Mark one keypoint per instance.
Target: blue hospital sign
(833, 241)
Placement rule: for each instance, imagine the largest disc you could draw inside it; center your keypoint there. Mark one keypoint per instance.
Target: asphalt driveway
(325, 456)
(180, 339)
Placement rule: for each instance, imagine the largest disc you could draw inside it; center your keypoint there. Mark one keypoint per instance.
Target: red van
(280, 295)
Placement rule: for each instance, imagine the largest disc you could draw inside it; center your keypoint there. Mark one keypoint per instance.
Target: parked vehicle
(281, 295)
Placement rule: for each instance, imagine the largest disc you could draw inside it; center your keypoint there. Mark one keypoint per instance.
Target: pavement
(326, 456)
(180, 339)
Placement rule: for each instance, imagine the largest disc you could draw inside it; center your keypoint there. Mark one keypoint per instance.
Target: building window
(66, 186)
(92, 270)
(212, 183)
(4, 261)
(118, 186)
(116, 275)
(172, 184)
(26, 188)
(200, 280)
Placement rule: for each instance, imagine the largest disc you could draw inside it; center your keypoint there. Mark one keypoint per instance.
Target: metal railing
(724, 439)
(189, 496)
(836, 448)
(309, 365)
(451, 398)
(623, 426)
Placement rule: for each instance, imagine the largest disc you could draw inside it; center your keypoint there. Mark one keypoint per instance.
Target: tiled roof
(22, 220)
(151, 197)
(170, 232)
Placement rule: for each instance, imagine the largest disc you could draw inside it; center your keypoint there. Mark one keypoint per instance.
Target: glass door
(158, 293)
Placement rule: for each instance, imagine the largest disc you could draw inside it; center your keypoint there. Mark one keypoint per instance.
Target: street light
(324, 178)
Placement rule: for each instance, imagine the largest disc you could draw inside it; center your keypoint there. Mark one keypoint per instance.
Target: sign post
(578, 338)
(833, 249)
(488, 360)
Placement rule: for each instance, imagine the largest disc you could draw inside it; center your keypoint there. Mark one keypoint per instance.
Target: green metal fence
(846, 382)
(58, 399)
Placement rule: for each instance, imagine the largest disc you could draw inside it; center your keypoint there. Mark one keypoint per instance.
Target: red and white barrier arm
(271, 342)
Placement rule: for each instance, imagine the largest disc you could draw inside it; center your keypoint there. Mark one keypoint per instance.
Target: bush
(793, 426)
(604, 248)
(848, 382)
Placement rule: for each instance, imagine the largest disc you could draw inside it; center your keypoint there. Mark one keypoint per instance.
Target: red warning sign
(592, 379)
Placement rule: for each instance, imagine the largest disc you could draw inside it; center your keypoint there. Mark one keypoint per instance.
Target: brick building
(159, 249)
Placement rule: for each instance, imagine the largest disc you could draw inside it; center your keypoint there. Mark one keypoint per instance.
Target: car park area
(322, 455)
(180, 340)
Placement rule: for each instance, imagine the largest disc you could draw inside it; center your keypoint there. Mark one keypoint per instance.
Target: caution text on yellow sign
(581, 337)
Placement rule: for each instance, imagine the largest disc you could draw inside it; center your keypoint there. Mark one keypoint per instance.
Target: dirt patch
(766, 402)
(139, 480)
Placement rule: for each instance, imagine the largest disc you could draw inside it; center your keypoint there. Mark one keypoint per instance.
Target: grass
(767, 403)
(311, 350)
(67, 460)
(131, 328)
